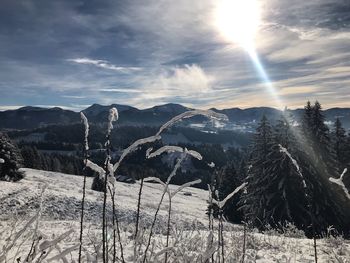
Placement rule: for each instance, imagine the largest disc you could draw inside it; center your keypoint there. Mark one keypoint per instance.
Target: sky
(73, 53)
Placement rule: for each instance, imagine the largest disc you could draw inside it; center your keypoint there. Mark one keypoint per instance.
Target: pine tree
(319, 129)
(27, 154)
(347, 157)
(227, 181)
(254, 202)
(318, 164)
(31, 157)
(307, 117)
(339, 144)
(11, 160)
(286, 196)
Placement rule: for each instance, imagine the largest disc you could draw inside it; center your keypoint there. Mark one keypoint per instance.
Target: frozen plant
(295, 163)
(340, 182)
(86, 149)
(183, 153)
(107, 173)
(221, 204)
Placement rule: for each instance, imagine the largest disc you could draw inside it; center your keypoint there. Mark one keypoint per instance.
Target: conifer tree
(318, 164)
(227, 181)
(31, 157)
(286, 196)
(254, 202)
(11, 160)
(339, 144)
(307, 116)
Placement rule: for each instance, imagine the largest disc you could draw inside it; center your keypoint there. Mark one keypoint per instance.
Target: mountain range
(240, 119)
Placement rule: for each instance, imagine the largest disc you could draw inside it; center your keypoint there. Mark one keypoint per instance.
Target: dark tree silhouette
(10, 160)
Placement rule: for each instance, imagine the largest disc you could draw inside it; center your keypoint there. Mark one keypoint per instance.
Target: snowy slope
(61, 212)
(62, 198)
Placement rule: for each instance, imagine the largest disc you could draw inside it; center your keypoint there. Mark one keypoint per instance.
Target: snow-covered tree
(10, 160)
(286, 195)
(339, 144)
(226, 181)
(254, 202)
(318, 164)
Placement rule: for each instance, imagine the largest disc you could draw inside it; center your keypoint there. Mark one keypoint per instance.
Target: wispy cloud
(121, 90)
(73, 97)
(174, 84)
(103, 64)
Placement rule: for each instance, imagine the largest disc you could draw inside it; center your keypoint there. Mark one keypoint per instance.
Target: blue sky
(145, 52)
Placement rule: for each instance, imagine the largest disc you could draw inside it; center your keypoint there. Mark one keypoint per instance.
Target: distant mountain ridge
(33, 117)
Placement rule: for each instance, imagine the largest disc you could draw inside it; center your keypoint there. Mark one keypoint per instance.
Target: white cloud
(187, 81)
(10, 107)
(121, 90)
(103, 64)
(73, 97)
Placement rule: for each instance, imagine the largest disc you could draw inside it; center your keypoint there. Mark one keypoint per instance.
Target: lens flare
(238, 20)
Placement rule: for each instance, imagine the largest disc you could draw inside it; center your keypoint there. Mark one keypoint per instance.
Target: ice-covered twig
(86, 125)
(340, 182)
(8, 247)
(167, 149)
(156, 179)
(194, 154)
(166, 185)
(63, 254)
(113, 116)
(34, 249)
(133, 147)
(176, 167)
(189, 114)
(96, 168)
(46, 244)
(170, 149)
(295, 163)
(188, 184)
(222, 203)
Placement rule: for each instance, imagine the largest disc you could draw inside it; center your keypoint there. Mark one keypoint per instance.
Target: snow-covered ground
(61, 203)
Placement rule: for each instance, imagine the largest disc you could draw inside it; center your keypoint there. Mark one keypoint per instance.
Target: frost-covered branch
(93, 166)
(295, 163)
(188, 184)
(155, 179)
(176, 167)
(133, 147)
(222, 203)
(113, 116)
(189, 114)
(86, 125)
(340, 182)
(170, 149)
(47, 244)
(63, 254)
(167, 149)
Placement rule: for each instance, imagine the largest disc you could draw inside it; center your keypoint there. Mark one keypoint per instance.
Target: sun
(238, 21)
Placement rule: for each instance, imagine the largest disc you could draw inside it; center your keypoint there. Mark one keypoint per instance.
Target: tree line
(287, 168)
